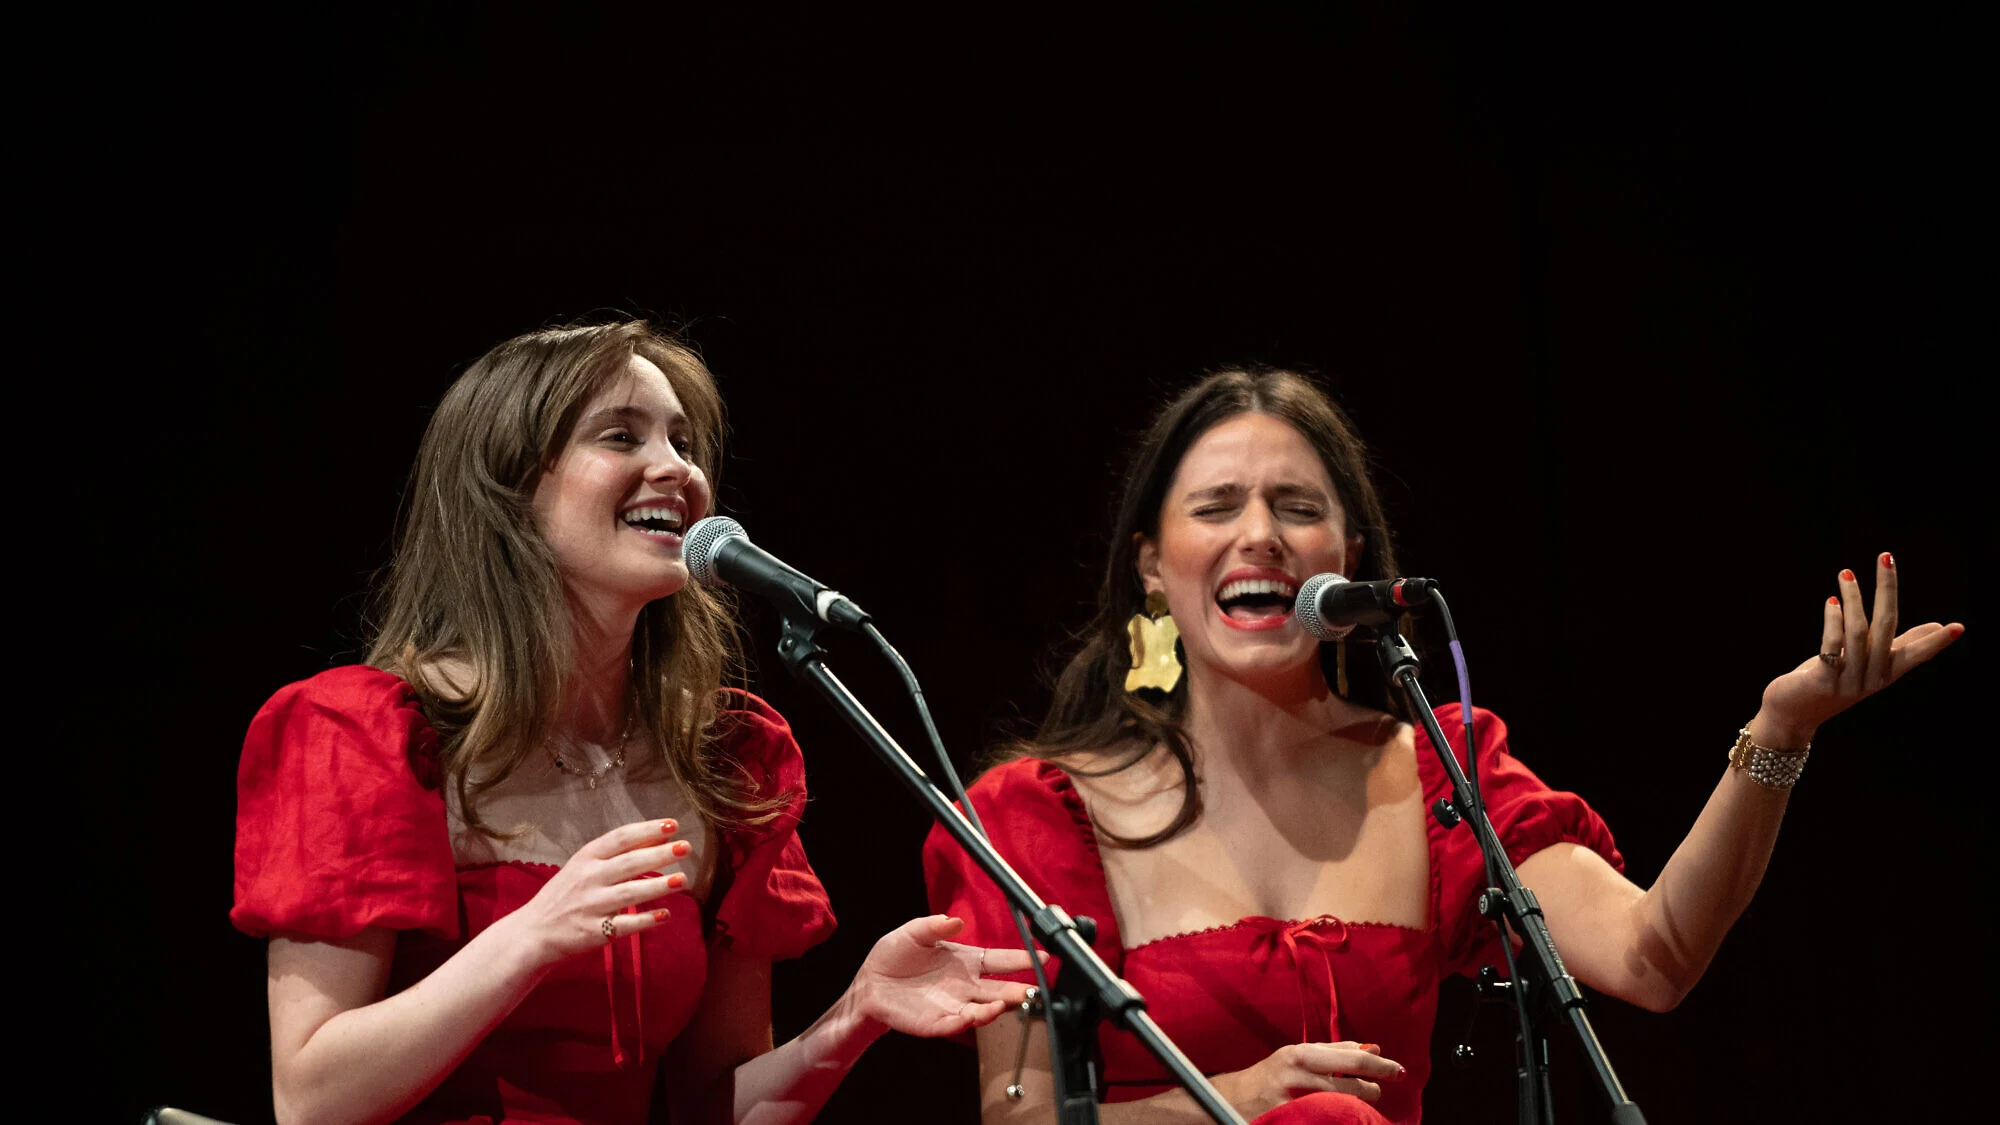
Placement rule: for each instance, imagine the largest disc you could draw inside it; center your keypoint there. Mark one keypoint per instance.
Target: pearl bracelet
(1772, 769)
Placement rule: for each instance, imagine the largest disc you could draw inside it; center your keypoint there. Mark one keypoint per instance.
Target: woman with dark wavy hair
(1244, 811)
(533, 860)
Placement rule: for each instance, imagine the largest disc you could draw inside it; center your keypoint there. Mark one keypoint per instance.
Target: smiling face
(1250, 514)
(617, 500)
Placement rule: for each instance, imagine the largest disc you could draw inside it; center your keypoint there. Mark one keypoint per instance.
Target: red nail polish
(1847, 576)
(1833, 601)
(1375, 1047)
(682, 847)
(660, 915)
(668, 828)
(676, 881)
(1888, 561)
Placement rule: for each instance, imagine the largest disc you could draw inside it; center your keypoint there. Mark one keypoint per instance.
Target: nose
(1257, 533)
(671, 471)
(667, 466)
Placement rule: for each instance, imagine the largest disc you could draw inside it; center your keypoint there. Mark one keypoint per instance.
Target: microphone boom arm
(798, 647)
(1508, 902)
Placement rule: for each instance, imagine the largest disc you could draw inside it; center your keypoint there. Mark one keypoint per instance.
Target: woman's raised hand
(918, 982)
(1299, 1069)
(584, 904)
(1857, 658)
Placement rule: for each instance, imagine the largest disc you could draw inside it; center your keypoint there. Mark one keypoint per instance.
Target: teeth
(1245, 586)
(669, 515)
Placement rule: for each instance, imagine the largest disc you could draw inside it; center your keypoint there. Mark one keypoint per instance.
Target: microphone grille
(702, 542)
(1306, 607)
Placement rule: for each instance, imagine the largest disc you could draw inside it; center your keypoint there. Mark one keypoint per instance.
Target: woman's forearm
(1650, 947)
(373, 1061)
(1714, 873)
(1000, 1046)
(788, 1085)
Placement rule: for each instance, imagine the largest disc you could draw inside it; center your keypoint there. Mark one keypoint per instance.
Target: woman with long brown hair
(533, 860)
(1245, 811)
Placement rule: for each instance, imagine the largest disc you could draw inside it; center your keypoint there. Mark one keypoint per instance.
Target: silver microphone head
(702, 541)
(1306, 608)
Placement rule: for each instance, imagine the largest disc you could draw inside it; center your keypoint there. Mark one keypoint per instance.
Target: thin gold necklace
(591, 776)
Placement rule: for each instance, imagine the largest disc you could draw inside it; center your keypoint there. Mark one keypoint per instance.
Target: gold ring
(610, 930)
(1830, 658)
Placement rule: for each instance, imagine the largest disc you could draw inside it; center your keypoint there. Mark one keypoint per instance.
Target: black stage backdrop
(1654, 323)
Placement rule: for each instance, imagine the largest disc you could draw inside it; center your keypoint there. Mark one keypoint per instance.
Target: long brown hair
(474, 584)
(1091, 711)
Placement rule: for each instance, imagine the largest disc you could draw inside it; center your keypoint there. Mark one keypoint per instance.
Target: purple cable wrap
(1464, 696)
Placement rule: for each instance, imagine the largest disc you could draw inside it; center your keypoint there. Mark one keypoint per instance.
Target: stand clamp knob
(1446, 813)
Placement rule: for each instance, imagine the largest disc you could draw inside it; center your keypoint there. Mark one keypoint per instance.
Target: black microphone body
(1328, 605)
(719, 551)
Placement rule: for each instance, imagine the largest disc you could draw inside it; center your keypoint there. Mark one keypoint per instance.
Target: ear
(1354, 545)
(1147, 563)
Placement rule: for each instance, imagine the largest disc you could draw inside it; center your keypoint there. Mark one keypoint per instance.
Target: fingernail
(1847, 576)
(661, 915)
(1833, 601)
(1375, 1047)
(1888, 561)
(681, 847)
(668, 828)
(676, 881)
(1400, 1071)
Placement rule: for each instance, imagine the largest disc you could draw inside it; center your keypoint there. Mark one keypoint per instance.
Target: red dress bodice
(341, 826)
(1231, 995)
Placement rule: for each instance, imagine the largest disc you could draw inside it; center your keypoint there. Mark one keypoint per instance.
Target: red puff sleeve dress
(341, 825)
(1231, 995)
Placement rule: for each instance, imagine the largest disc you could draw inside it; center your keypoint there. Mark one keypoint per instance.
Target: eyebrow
(1232, 491)
(623, 413)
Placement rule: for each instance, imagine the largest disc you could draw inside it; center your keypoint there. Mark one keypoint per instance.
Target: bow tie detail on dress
(1323, 936)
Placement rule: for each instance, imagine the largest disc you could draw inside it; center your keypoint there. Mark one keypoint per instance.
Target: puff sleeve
(339, 822)
(773, 905)
(1040, 826)
(1527, 814)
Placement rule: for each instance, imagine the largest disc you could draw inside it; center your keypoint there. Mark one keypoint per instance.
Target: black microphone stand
(1508, 903)
(1086, 990)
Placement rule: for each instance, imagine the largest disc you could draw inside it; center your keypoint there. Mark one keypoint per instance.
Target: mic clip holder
(1540, 978)
(1075, 1012)
(1085, 989)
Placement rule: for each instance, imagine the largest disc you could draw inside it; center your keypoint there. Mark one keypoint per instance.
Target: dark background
(1654, 321)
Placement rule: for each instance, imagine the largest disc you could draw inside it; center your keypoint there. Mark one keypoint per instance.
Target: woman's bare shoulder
(1131, 789)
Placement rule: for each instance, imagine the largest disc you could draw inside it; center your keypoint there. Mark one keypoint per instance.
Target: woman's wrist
(517, 949)
(857, 1018)
(1229, 1086)
(1781, 732)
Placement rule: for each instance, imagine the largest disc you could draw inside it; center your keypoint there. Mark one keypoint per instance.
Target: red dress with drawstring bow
(1231, 995)
(340, 825)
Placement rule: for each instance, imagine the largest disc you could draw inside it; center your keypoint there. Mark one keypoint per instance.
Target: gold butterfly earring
(1155, 662)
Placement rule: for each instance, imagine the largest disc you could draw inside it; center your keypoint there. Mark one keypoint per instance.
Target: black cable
(1519, 988)
(1458, 659)
(957, 789)
(1522, 1015)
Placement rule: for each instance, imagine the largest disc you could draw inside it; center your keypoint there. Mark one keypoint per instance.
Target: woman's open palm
(1857, 656)
(917, 982)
